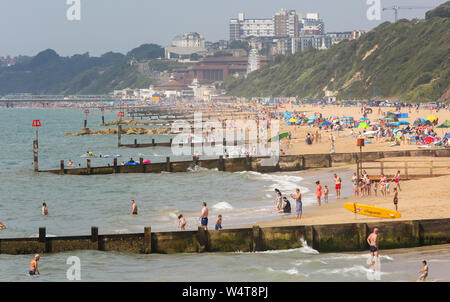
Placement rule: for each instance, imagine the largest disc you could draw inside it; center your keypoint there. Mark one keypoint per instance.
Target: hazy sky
(30, 26)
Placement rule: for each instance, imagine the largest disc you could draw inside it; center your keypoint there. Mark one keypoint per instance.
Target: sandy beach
(345, 143)
(418, 199)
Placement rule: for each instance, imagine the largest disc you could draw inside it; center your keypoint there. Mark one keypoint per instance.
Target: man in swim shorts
(337, 181)
(204, 216)
(134, 209)
(34, 266)
(372, 240)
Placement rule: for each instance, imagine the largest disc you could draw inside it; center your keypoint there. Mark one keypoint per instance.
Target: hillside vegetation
(49, 73)
(398, 59)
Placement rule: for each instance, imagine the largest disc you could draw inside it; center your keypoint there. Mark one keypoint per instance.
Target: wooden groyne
(286, 163)
(323, 238)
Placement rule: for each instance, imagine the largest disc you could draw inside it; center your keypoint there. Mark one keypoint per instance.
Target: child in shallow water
(181, 222)
(218, 223)
(325, 194)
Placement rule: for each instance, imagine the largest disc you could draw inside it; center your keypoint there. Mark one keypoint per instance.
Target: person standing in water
(318, 192)
(204, 216)
(298, 200)
(325, 193)
(134, 209)
(44, 209)
(423, 272)
(34, 266)
(337, 181)
(181, 222)
(372, 240)
(278, 201)
(218, 225)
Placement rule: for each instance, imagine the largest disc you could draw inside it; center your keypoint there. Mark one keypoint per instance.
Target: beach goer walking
(279, 200)
(396, 199)
(298, 202)
(181, 222)
(383, 182)
(34, 265)
(134, 209)
(44, 210)
(325, 193)
(397, 180)
(372, 240)
(423, 272)
(338, 184)
(218, 225)
(204, 216)
(318, 192)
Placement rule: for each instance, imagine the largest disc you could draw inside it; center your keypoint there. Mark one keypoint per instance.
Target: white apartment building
(242, 28)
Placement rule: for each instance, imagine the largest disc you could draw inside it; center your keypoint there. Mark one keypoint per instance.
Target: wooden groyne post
(119, 132)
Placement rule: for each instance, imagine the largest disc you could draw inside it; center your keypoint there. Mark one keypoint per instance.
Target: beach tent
(363, 126)
(419, 122)
(293, 120)
(447, 135)
(402, 115)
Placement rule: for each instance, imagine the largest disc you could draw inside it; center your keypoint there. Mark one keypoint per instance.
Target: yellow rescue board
(367, 210)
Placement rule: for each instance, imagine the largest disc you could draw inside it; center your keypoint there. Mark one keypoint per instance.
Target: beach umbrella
(364, 119)
(285, 115)
(325, 123)
(312, 117)
(402, 123)
(447, 135)
(281, 136)
(363, 126)
(293, 120)
(428, 139)
(370, 132)
(431, 118)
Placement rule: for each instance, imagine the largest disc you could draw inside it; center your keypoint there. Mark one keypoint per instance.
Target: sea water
(76, 203)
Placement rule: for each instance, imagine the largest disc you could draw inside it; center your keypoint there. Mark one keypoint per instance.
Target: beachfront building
(215, 69)
(183, 46)
(286, 23)
(242, 28)
(312, 25)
